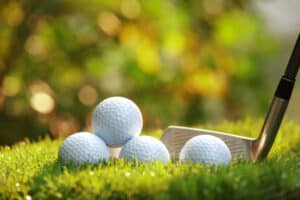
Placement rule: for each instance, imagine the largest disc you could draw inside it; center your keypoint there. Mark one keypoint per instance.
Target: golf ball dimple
(116, 120)
(205, 149)
(83, 147)
(145, 149)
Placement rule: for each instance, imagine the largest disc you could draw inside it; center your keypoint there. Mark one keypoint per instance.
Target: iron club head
(175, 137)
(240, 147)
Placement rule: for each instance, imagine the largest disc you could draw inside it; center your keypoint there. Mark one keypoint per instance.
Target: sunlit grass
(31, 170)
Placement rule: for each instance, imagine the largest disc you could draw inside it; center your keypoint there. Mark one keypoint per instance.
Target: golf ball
(145, 149)
(83, 147)
(205, 149)
(116, 120)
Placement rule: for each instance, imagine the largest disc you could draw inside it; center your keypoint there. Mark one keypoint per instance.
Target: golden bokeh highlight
(224, 60)
(174, 43)
(213, 8)
(87, 95)
(207, 83)
(35, 46)
(40, 86)
(147, 57)
(41, 97)
(109, 23)
(63, 126)
(130, 8)
(13, 14)
(42, 102)
(130, 36)
(11, 86)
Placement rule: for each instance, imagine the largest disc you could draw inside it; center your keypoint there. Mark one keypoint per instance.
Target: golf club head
(240, 147)
(175, 137)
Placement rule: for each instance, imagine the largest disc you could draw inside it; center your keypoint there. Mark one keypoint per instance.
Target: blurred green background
(183, 62)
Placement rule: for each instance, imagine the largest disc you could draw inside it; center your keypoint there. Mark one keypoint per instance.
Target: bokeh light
(130, 8)
(62, 126)
(130, 36)
(13, 13)
(35, 46)
(11, 86)
(147, 56)
(174, 43)
(42, 102)
(87, 95)
(109, 23)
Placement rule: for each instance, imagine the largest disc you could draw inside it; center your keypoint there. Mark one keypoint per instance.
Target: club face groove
(175, 137)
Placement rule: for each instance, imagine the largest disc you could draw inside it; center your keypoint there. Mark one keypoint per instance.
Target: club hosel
(263, 144)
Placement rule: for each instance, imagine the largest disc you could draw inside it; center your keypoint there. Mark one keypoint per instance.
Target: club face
(175, 137)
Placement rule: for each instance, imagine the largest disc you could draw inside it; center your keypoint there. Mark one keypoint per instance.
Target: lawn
(31, 171)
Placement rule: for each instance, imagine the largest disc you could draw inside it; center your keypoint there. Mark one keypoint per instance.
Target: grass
(31, 171)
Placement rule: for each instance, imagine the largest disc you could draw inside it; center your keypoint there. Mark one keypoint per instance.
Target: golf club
(241, 147)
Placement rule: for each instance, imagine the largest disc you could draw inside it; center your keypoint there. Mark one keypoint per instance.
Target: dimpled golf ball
(145, 149)
(116, 120)
(205, 149)
(83, 147)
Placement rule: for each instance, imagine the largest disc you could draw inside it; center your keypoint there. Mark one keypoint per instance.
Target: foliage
(183, 61)
(31, 171)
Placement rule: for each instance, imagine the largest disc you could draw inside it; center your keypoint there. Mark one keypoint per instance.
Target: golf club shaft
(294, 62)
(263, 144)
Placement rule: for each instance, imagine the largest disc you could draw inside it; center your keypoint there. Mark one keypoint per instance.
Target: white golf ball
(116, 120)
(83, 147)
(145, 149)
(205, 149)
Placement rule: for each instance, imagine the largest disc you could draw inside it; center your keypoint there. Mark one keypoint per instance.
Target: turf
(31, 171)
